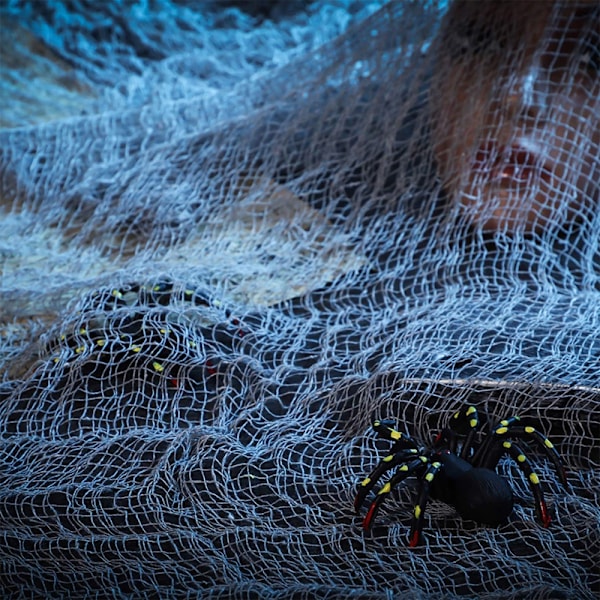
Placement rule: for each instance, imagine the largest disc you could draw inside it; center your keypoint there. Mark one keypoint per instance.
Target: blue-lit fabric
(228, 244)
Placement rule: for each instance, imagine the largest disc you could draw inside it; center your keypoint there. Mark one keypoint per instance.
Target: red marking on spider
(546, 518)
(369, 517)
(240, 332)
(414, 539)
(210, 367)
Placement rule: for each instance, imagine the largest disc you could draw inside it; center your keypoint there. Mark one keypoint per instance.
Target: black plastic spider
(458, 470)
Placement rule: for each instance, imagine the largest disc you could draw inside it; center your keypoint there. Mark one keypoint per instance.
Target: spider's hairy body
(459, 470)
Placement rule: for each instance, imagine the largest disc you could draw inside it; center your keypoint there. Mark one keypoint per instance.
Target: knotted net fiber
(234, 235)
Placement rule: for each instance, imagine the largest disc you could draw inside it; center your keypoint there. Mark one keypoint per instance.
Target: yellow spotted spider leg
(517, 454)
(464, 422)
(525, 432)
(421, 505)
(388, 462)
(385, 429)
(402, 450)
(400, 475)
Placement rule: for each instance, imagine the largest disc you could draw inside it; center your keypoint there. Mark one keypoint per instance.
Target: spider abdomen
(481, 495)
(476, 493)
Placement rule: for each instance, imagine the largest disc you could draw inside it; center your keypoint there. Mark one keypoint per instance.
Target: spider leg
(402, 450)
(388, 462)
(421, 505)
(385, 429)
(465, 422)
(511, 427)
(519, 457)
(402, 473)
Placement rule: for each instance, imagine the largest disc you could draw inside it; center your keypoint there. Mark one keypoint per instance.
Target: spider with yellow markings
(459, 469)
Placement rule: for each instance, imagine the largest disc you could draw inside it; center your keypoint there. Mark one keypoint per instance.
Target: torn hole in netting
(232, 239)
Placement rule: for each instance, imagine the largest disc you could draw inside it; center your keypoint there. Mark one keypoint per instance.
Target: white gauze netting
(231, 241)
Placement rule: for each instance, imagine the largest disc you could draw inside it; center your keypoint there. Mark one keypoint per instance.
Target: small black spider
(459, 470)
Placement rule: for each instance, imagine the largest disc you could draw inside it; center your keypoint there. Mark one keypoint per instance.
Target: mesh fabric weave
(251, 238)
